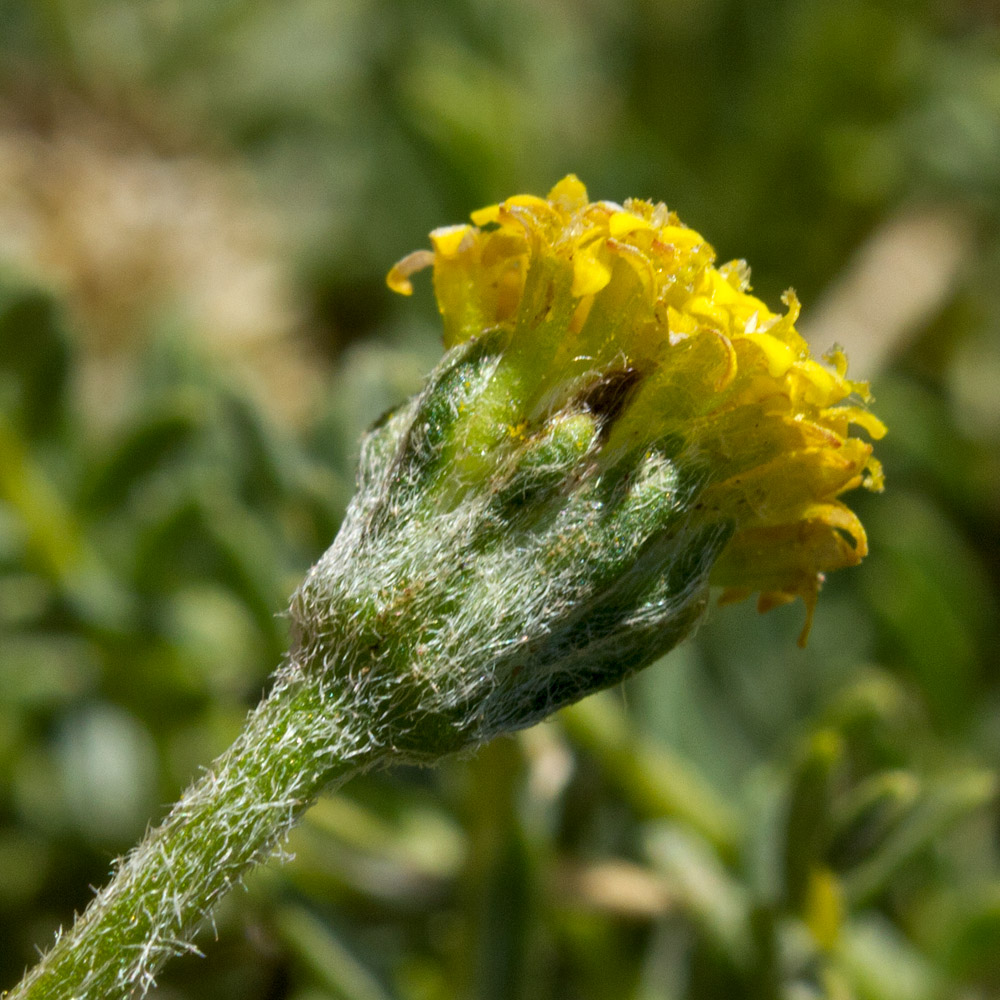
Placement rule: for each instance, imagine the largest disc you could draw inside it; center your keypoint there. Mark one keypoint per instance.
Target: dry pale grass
(135, 238)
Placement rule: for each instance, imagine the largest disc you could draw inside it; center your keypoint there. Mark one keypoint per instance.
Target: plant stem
(294, 746)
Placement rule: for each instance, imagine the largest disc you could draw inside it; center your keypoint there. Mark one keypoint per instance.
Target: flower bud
(616, 425)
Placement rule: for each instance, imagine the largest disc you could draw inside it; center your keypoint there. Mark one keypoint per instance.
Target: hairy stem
(294, 746)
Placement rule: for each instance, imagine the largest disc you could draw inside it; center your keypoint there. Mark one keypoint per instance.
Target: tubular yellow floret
(584, 288)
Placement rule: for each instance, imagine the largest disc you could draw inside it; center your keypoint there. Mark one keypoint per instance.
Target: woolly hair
(453, 612)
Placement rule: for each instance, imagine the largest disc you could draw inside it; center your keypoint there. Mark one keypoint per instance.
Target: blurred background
(198, 204)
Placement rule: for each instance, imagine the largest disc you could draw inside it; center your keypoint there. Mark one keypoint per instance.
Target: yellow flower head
(584, 289)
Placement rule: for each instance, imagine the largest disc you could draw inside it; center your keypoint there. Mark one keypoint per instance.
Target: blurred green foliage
(746, 819)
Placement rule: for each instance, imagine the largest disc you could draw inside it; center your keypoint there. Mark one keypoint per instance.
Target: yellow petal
(623, 223)
(484, 216)
(449, 240)
(706, 309)
(398, 279)
(857, 416)
(778, 356)
(815, 385)
(531, 201)
(589, 275)
(569, 194)
(679, 236)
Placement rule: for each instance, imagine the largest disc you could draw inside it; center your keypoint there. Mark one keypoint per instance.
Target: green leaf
(807, 827)
(945, 803)
(35, 362)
